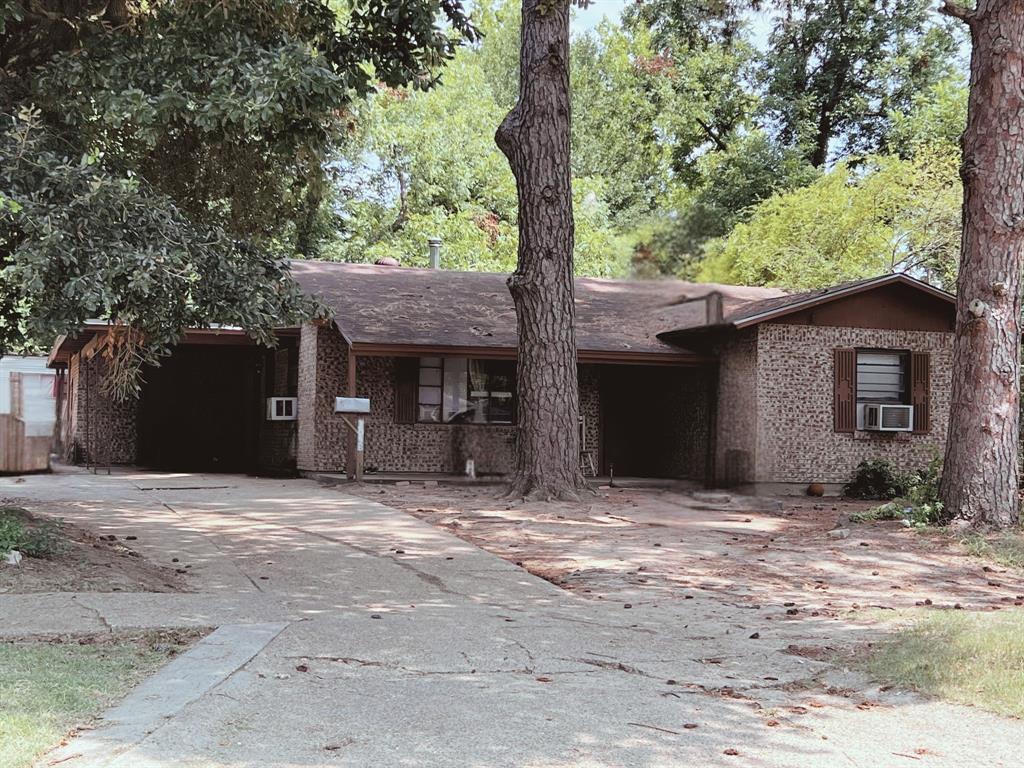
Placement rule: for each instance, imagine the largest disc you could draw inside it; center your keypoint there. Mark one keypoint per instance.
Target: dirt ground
(90, 563)
(647, 546)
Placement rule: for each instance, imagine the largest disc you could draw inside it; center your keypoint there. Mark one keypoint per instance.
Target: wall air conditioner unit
(879, 417)
(282, 408)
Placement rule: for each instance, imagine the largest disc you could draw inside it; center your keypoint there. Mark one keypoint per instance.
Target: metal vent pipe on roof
(434, 246)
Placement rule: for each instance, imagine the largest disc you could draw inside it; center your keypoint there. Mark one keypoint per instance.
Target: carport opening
(204, 409)
(655, 421)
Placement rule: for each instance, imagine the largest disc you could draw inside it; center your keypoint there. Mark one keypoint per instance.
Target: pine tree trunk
(980, 474)
(535, 138)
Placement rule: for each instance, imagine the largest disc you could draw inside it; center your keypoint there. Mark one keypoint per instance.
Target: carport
(202, 409)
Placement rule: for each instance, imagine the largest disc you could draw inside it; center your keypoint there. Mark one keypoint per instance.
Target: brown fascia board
(67, 345)
(624, 357)
(853, 290)
(698, 331)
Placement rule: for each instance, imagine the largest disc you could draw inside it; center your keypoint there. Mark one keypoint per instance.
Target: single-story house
(726, 385)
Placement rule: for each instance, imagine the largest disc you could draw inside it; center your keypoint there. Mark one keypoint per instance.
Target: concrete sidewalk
(401, 645)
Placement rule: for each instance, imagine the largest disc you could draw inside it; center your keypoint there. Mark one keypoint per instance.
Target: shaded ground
(400, 644)
(51, 687)
(650, 547)
(89, 562)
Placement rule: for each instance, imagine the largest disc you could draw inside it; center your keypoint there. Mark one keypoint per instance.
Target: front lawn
(968, 657)
(49, 688)
(1006, 548)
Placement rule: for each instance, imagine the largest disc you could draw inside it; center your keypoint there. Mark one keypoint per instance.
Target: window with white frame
(461, 390)
(882, 376)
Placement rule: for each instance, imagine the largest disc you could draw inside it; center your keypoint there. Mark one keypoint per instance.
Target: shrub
(12, 532)
(919, 502)
(877, 480)
(33, 538)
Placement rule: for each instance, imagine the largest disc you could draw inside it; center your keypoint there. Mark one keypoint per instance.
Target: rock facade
(96, 428)
(775, 405)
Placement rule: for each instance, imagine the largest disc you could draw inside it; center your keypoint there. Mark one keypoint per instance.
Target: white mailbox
(351, 405)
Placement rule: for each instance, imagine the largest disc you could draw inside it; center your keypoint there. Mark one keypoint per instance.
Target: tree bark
(535, 138)
(980, 474)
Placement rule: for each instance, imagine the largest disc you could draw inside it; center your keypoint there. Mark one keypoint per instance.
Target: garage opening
(655, 421)
(199, 410)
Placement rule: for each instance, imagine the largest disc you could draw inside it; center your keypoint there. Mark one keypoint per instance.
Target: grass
(1005, 548)
(966, 657)
(47, 689)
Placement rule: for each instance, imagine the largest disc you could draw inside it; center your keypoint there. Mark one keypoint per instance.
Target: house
(726, 385)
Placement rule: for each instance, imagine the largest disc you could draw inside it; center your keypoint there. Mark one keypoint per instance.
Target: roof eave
(867, 285)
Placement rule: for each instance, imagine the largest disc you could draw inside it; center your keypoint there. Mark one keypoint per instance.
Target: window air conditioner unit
(282, 408)
(879, 417)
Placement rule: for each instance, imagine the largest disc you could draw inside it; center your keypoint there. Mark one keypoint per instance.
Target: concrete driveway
(355, 635)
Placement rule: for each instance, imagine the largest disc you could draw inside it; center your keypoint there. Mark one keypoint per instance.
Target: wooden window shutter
(407, 375)
(921, 390)
(845, 394)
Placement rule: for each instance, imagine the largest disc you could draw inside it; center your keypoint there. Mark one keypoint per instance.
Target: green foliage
(32, 537)
(424, 164)
(881, 215)
(619, 93)
(87, 243)
(729, 185)
(918, 501)
(161, 159)
(834, 81)
(840, 73)
(936, 117)
(875, 479)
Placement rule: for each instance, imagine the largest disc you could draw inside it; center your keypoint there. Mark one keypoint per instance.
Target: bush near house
(914, 495)
(875, 479)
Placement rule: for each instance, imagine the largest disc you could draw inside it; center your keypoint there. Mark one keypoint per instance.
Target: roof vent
(434, 246)
(387, 261)
(715, 309)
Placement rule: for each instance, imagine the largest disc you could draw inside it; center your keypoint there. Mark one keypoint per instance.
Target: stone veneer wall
(736, 433)
(390, 446)
(689, 414)
(783, 413)
(278, 439)
(323, 373)
(97, 428)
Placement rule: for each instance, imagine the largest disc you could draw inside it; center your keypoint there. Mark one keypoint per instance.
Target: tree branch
(719, 143)
(956, 11)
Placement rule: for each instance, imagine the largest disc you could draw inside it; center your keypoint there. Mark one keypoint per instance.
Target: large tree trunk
(535, 138)
(980, 474)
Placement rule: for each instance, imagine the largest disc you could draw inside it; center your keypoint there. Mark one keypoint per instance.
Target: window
(882, 377)
(460, 390)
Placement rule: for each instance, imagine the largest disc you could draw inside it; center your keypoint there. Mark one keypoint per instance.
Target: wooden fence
(20, 452)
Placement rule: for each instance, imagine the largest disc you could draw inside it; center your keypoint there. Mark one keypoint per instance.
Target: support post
(360, 439)
(352, 453)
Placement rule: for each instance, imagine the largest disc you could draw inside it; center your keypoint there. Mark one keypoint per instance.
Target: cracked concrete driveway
(395, 643)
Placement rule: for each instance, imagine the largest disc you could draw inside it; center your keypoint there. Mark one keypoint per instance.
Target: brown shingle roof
(749, 313)
(752, 312)
(377, 305)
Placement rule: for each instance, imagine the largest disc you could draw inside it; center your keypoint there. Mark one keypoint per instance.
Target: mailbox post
(358, 407)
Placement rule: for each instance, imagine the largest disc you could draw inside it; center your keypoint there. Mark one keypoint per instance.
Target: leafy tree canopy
(422, 164)
(830, 81)
(879, 215)
(160, 159)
